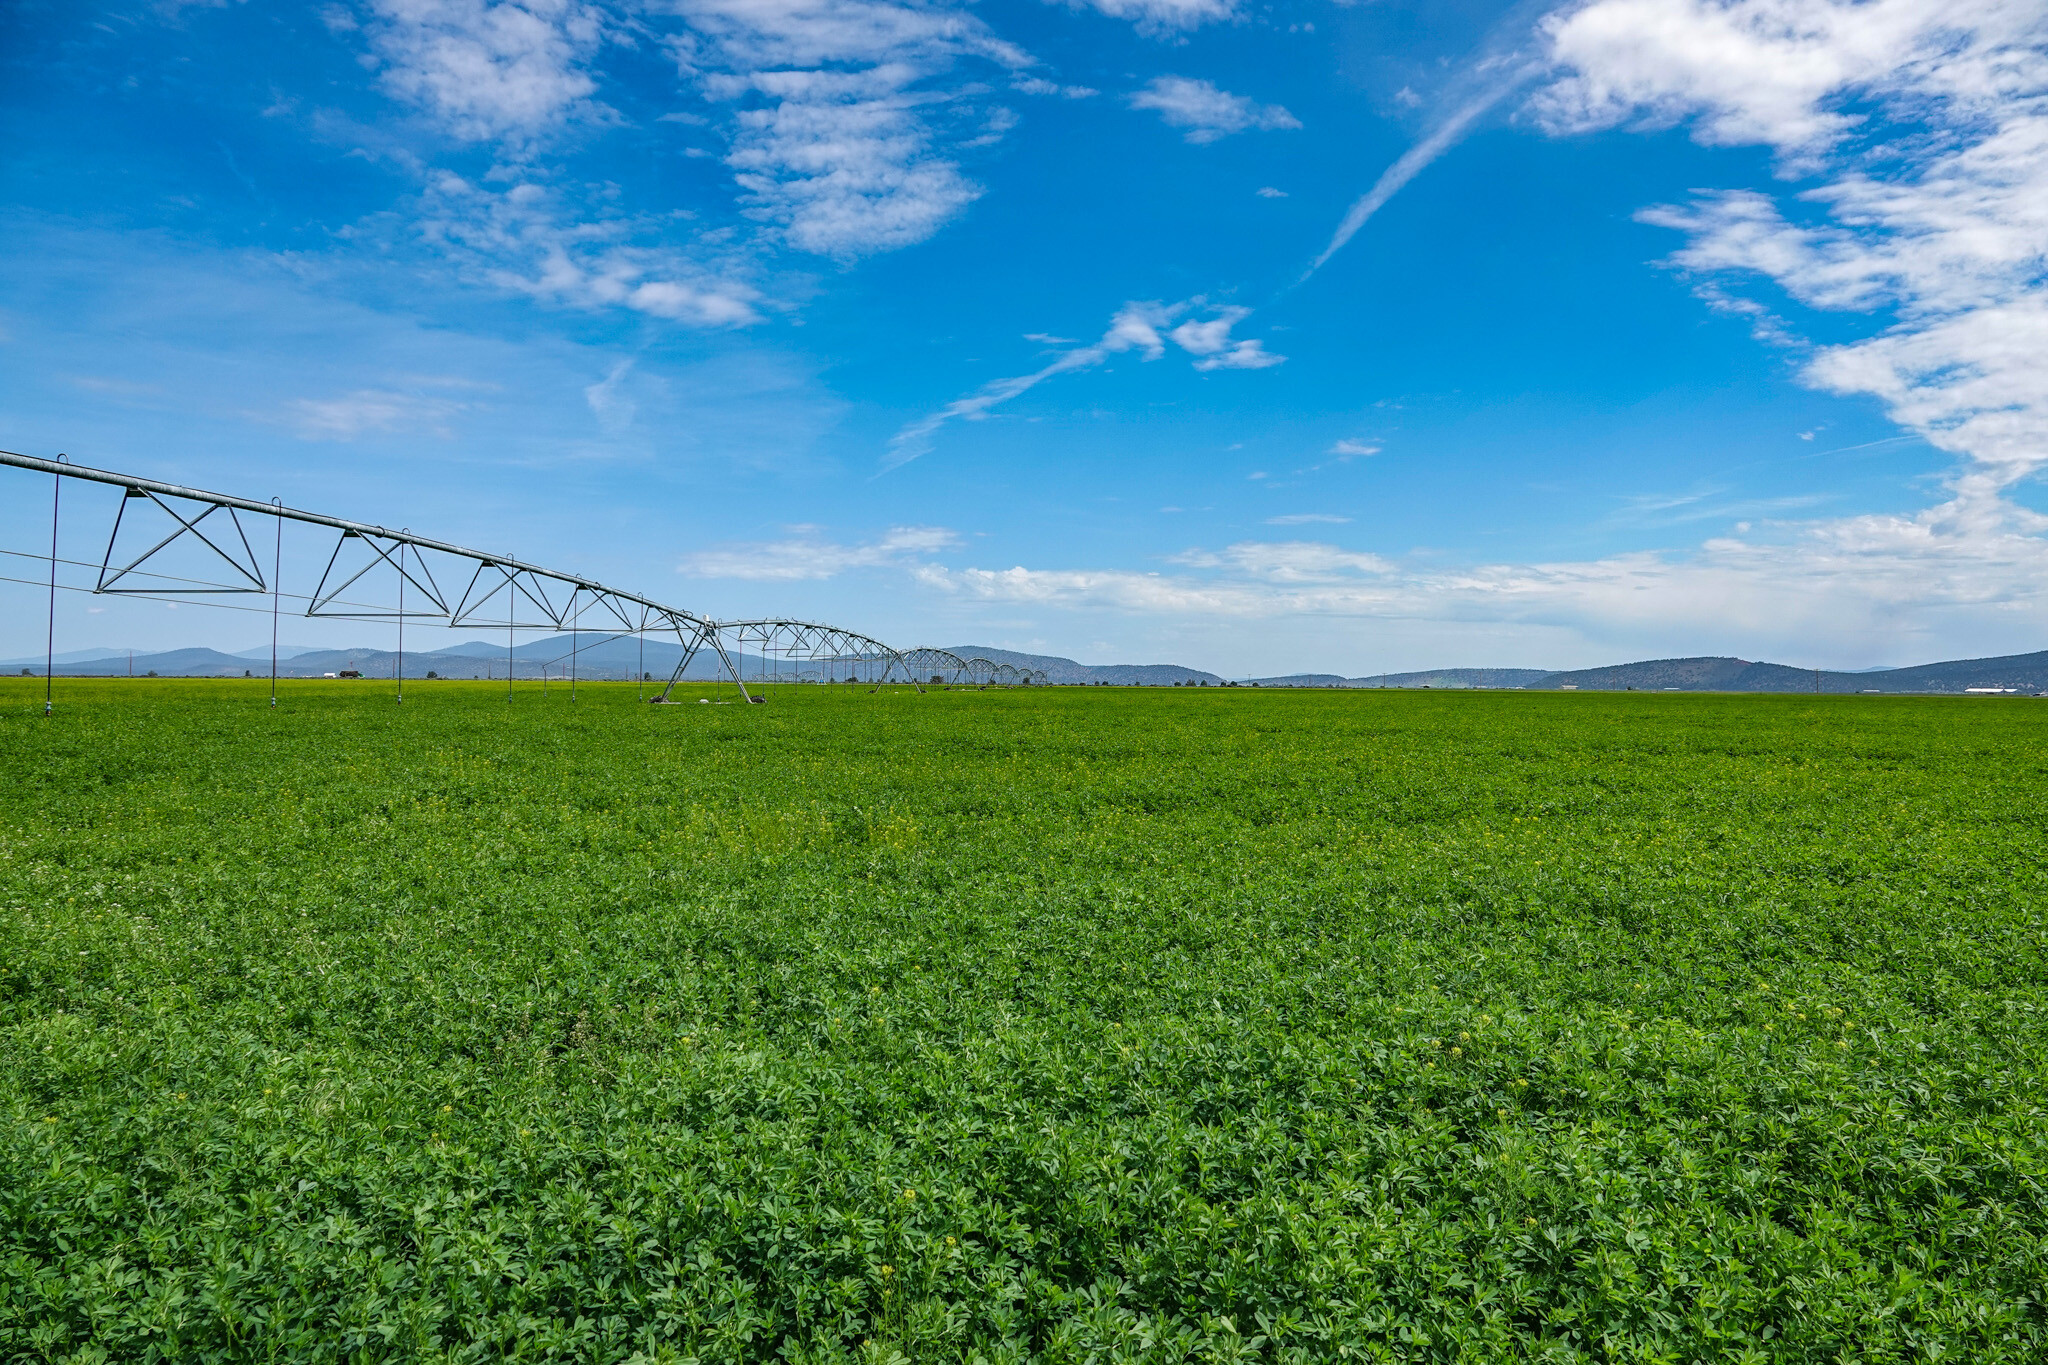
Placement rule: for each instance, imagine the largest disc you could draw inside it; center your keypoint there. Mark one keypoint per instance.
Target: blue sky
(1673, 327)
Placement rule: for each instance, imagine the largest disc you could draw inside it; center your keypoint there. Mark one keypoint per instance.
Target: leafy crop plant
(1050, 1024)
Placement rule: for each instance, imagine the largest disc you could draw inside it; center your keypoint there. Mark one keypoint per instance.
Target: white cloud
(1210, 335)
(1268, 192)
(1139, 327)
(1164, 16)
(1342, 452)
(1288, 561)
(807, 557)
(849, 112)
(1209, 340)
(482, 70)
(841, 172)
(845, 123)
(521, 240)
(1034, 85)
(1241, 355)
(1769, 72)
(1922, 129)
(1134, 328)
(1411, 163)
(1307, 518)
(1206, 112)
(349, 415)
(1958, 572)
(609, 403)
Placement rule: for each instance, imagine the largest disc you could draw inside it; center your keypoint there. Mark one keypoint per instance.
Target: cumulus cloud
(806, 556)
(1963, 570)
(1209, 341)
(1137, 327)
(483, 70)
(1921, 131)
(1206, 112)
(1767, 72)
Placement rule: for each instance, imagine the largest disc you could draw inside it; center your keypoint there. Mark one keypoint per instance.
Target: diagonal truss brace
(494, 579)
(110, 576)
(324, 598)
(797, 642)
(697, 635)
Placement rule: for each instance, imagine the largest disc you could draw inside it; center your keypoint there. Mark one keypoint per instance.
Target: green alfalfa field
(1043, 1024)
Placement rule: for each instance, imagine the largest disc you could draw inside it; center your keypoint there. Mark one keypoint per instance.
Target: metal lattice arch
(374, 573)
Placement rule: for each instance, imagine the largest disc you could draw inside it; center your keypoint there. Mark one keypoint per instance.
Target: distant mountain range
(2010, 673)
(608, 658)
(616, 659)
(1058, 670)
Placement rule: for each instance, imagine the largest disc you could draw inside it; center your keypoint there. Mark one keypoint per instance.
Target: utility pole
(50, 640)
(407, 530)
(276, 587)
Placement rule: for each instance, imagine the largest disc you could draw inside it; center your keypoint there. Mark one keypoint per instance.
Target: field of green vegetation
(1051, 1024)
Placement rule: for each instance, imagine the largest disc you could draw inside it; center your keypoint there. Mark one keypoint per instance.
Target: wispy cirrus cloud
(609, 402)
(1143, 328)
(1207, 113)
(1164, 17)
(1439, 139)
(1134, 328)
(1287, 561)
(847, 116)
(806, 556)
(1342, 452)
(344, 417)
(845, 125)
(527, 240)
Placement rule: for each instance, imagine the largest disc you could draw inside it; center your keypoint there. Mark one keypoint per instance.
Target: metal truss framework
(806, 651)
(498, 591)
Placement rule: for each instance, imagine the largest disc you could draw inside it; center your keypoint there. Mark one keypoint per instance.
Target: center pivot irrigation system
(497, 592)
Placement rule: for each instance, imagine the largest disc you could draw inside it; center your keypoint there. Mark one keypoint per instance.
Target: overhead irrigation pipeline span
(500, 592)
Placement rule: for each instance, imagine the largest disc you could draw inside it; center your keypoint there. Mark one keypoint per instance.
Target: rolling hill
(616, 659)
